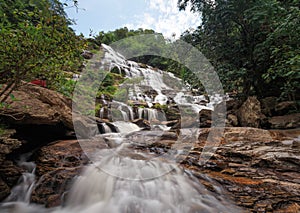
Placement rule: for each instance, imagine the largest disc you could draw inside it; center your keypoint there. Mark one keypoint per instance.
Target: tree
(252, 44)
(36, 41)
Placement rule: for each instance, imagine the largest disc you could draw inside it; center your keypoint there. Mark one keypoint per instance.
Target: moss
(2, 129)
(161, 107)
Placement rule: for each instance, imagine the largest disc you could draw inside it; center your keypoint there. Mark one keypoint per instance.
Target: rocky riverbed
(258, 169)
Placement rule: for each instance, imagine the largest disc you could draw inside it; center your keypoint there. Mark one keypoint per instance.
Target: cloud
(163, 16)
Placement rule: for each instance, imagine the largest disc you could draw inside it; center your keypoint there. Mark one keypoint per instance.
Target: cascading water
(163, 86)
(22, 191)
(123, 179)
(141, 187)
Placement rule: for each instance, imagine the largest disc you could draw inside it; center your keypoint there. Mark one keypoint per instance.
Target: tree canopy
(36, 40)
(253, 44)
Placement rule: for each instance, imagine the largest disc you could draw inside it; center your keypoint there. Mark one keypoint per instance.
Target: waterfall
(125, 127)
(106, 128)
(122, 179)
(100, 189)
(125, 181)
(22, 191)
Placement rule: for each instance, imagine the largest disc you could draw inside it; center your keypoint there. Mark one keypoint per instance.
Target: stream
(124, 179)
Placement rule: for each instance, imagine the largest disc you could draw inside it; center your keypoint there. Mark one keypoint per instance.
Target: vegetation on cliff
(253, 45)
(36, 42)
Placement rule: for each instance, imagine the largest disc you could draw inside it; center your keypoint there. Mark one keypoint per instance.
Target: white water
(125, 180)
(22, 191)
(125, 127)
(142, 80)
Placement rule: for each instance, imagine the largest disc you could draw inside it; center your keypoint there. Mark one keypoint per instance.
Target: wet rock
(259, 168)
(249, 114)
(142, 123)
(85, 127)
(205, 118)
(285, 121)
(285, 107)
(9, 172)
(173, 113)
(57, 165)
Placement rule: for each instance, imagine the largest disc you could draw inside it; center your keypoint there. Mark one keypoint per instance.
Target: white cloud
(163, 16)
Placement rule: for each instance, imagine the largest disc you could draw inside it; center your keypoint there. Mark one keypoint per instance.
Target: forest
(253, 45)
(84, 128)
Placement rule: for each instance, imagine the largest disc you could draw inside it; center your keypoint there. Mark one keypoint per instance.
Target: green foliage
(2, 129)
(121, 95)
(65, 86)
(36, 41)
(161, 107)
(254, 45)
(109, 86)
(118, 34)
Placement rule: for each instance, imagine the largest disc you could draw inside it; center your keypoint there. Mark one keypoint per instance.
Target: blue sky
(162, 16)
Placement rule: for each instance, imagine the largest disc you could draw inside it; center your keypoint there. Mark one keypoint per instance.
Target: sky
(162, 16)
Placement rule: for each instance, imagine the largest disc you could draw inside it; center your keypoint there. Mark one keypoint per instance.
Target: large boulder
(57, 165)
(249, 114)
(35, 105)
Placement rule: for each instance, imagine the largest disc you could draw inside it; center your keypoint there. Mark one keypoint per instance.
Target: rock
(9, 173)
(268, 105)
(4, 189)
(36, 105)
(205, 118)
(142, 123)
(87, 54)
(283, 108)
(8, 144)
(232, 120)
(249, 114)
(285, 121)
(57, 164)
(232, 105)
(173, 113)
(84, 127)
(259, 169)
(170, 123)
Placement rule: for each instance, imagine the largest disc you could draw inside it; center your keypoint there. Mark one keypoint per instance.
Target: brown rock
(142, 123)
(58, 164)
(285, 121)
(9, 173)
(37, 105)
(249, 114)
(258, 167)
(232, 120)
(268, 105)
(205, 118)
(285, 107)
